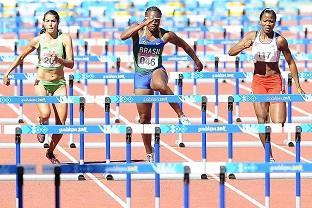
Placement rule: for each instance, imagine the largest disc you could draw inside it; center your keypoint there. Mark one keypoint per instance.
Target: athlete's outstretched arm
(171, 37)
(134, 28)
(243, 44)
(291, 62)
(28, 49)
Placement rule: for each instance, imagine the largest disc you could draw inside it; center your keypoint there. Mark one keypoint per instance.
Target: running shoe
(41, 137)
(150, 156)
(184, 120)
(272, 160)
(52, 158)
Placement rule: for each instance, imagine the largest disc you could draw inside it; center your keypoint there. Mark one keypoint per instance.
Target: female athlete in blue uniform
(150, 75)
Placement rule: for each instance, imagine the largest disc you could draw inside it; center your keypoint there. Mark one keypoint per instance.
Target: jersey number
(48, 60)
(147, 60)
(264, 55)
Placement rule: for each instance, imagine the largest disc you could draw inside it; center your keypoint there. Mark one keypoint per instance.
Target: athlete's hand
(55, 58)
(199, 65)
(248, 43)
(6, 79)
(148, 20)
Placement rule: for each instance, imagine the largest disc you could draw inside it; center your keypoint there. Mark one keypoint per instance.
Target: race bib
(48, 61)
(147, 62)
(264, 56)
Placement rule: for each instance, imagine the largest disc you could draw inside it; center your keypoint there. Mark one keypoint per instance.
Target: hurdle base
(20, 121)
(123, 177)
(72, 145)
(231, 176)
(117, 120)
(96, 145)
(250, 176)
(204, 177)
(109, 177)
(291, 144)
(81, 177)
(181, 144)
(238, 120)
(23, 145)
(39, 177)
(295, 119)
(10, 120)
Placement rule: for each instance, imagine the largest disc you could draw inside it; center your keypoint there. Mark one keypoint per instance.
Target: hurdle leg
(204, 138)
(107, 136)
(216, 89)
(230, 135)
(186, 192)
(86, 68)
(222, 190)
(81, 111)
(288, 140)
(57, 183)
(267, 160)
(71, 141)
(19, 186)
(128, 161)
(180, 84)
(117, 120)
(298, 176)
(157, 160)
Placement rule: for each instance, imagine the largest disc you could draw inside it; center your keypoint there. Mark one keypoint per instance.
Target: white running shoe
(150, 156)
(272, 160)
(184, 120)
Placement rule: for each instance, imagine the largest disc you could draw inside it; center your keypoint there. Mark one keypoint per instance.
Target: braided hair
(269, 11)
(152, 8)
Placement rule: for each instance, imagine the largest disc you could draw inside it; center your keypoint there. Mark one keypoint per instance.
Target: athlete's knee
(44, 118)
(145, 119)
(159, 86)
(59, 122)
(262, 119)
(278, 120)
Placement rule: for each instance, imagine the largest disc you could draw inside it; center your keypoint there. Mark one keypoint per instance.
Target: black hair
(269, 11)
(153, 8)
(54, 13)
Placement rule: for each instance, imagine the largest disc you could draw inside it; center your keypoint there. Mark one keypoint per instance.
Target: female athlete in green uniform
(55, 52)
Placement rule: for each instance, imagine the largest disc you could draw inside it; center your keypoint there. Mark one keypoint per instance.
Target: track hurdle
(127, 168)
(270, 168)
(19, 171)
(150, 129)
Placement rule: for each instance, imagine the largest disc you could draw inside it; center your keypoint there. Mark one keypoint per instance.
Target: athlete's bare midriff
(50, 75)
(266, 69)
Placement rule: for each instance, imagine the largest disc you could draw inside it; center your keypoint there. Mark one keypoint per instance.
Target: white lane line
(249, 198)
(70, 157)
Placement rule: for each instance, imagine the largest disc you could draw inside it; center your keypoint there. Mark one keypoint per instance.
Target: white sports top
(265, 52)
